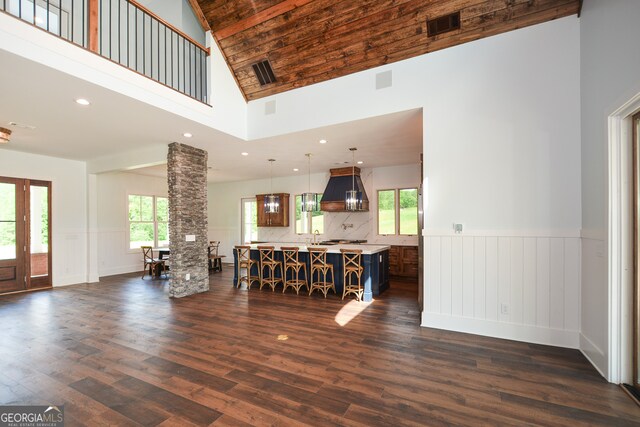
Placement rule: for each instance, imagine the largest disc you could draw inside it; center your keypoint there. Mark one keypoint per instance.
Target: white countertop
(331, 249)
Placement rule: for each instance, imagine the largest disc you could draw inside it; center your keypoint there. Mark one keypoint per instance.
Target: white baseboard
(69, 280)
(594, 355)
(511, 331)
(121, 269)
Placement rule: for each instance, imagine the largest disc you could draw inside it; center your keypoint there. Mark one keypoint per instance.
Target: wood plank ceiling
(310, 41)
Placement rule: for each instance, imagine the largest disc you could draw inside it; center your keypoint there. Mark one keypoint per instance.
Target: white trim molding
(525, 288)
(512, 331)
(619, 240)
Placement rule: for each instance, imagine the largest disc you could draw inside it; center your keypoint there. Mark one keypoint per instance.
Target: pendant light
(271, 202)
(310, 200)
(353, 198)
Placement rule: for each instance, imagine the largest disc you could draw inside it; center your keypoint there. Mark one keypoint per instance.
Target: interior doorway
(636, 250)
(25, 230)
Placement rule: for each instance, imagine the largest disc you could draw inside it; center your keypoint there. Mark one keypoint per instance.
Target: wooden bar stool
(352, 261)
(292, 262)
(268, 261)
(245, 262)
(319, 265)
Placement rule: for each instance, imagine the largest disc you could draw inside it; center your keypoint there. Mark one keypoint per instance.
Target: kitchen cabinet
(280, 219)
(403, 261)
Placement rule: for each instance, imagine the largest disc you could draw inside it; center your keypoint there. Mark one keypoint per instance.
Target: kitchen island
(375, 260)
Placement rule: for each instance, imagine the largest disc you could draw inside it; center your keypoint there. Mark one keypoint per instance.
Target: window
(398, 211)
(386, 211)
(308, 222)
(249, 220)
(148, 221)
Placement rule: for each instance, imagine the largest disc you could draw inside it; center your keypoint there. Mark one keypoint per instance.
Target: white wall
(609, 70)
(501, 143)
(69, 208)
(179, 14)
(114, 256)
(224, 208)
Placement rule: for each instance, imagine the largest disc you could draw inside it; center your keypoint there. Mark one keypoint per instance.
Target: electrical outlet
(187, 276)
(504, 309)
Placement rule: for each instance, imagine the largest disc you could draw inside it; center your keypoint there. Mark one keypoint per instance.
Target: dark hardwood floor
(122, 353)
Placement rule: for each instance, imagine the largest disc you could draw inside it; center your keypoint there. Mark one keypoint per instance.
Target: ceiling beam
(259, 18)
(579, 8)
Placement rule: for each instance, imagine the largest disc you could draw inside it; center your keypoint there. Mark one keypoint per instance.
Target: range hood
(339, 183)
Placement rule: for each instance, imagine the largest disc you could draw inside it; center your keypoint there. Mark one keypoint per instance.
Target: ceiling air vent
(443, 24)
(264, 72)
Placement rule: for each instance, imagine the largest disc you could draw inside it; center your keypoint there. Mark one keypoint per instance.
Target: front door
(12, 235)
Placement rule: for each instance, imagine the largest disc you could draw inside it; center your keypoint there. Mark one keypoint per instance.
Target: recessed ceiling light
(187, 135)
(360, 162)
(82, 101)
(323, 141)
(245, 153)
(296, 169)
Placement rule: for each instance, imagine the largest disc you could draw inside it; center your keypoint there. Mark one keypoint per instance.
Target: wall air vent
(264, 72)
(443, 24)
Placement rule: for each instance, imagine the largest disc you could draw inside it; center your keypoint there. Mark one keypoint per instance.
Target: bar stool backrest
(266, 254)
(351, 258)
(318, 256)
(290, 254)
(244, 253)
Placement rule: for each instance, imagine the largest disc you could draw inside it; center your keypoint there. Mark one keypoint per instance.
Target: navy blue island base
(375, 276)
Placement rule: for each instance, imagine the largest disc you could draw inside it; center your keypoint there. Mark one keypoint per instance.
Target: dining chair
(215, 259)
(154, 264)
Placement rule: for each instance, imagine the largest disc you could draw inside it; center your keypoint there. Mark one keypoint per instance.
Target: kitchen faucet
(315, 233)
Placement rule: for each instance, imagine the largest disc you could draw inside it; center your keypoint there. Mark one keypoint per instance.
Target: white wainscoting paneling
(523, 287)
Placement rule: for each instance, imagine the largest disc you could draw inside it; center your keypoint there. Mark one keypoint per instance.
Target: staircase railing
(127, 33)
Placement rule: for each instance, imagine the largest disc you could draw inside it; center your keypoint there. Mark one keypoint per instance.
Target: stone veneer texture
(187, 176)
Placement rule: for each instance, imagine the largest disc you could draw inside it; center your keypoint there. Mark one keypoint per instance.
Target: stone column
(187, 176)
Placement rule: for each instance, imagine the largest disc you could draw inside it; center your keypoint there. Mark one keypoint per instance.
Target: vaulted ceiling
(310, 41)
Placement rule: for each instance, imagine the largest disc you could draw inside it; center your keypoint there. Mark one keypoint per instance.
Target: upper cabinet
(280, 219)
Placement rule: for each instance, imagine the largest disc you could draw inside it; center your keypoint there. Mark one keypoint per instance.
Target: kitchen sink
(341, 242)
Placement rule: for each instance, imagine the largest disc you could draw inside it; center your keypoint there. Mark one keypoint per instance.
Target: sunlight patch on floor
(350, 311)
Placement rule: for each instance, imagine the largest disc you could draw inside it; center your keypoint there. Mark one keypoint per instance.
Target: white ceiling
(33, 94)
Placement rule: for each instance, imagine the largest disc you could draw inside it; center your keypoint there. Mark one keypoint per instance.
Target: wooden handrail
(168, 25)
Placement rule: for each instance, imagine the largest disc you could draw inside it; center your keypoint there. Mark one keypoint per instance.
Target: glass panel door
(12, 248)
(39, 239)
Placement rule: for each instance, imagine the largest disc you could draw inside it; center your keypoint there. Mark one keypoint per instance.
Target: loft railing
(127, 33)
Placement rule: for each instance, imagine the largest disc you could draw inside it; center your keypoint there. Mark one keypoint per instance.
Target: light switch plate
(457, 228)
(191, 237)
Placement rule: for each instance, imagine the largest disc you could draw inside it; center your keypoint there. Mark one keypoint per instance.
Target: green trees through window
(308, 222)
(7, 221)
(398, 211)
(148, 221)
